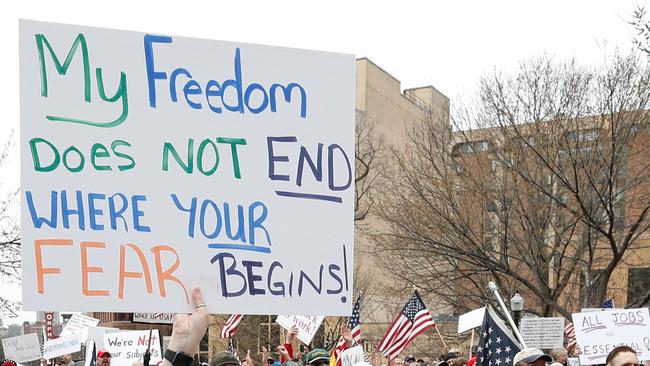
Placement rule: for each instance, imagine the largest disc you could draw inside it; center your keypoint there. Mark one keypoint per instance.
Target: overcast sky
(447, 44)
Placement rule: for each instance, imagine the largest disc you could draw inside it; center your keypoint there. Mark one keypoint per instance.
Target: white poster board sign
(22, 348)
(307, 325)
(599, 332)
(128, 347)
(79, 323)
(542, 332)
(97, 334)
(470, 320)
(153, 164)
(153, 318)
(62, 345)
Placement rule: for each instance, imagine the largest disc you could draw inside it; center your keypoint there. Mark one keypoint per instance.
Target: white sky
(447, 44)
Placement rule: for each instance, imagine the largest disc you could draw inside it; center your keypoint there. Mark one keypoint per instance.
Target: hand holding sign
(188, 330)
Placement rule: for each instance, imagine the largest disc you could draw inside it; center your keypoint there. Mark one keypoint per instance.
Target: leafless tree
(544, 188)
(369, 163)
(9, 233)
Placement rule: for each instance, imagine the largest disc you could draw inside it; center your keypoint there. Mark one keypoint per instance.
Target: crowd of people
(189, 329)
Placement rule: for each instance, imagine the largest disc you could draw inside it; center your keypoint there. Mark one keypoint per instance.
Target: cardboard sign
(599, 332)
(22, 348)
(153, 164)
(128, 347)
(470, 320)
(79, 323)
(307, 325)
(62, 345)
(155, 318)
(542, 332)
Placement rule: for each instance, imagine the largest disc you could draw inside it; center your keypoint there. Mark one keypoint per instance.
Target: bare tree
(545, 189)
(9, 235)
(369, 164)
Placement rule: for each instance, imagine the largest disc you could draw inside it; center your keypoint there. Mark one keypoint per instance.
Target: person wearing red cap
(103, 358)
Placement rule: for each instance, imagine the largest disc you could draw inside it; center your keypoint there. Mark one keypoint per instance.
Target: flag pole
(471, 344)
(442, 339)
(495, 290)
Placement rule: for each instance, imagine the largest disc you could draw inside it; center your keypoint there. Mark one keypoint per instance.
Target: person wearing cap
(103, 357)
(317, 357)
(622, 356)
(408, 360)
(531, 356)
(224, 358)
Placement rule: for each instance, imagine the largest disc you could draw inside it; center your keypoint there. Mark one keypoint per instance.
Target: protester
(7, 362)
(66, 360)
(396, 362)
(103, 357)
(223, 358)
(450, 357)
(317, 357)
(459, 361)
(622, 356)
(531, 356)
(408, 360)
(560, 355)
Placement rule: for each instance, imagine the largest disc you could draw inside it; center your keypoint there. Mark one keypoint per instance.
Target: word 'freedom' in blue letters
(254, 97)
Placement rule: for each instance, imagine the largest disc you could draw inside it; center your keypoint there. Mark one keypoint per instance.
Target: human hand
(265, 355)
(282, 350)
(346, 333)
(188, 329)
(292, 333)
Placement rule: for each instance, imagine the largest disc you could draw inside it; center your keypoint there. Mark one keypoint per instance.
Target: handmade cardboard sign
(23, 348)
(542, 332)
(153, 164)
(307, 325)
(470, 320)
(79, 323)
(155, 318)
(128, 347)
(599, 332)
(61, 346)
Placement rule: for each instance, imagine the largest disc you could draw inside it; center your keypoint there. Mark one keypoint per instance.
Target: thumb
(197, 298)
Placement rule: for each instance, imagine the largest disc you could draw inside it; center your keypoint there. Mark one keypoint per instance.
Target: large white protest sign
(542, 332)
(470, 320)
(22, 348)
(155, 318)
(128, 347)
(152, 164)
(79, 323)
(62, 345)
(307, 325)
(599, 332)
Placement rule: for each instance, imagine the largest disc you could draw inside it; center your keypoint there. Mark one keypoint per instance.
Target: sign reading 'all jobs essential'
(599, 332)
(152, 164)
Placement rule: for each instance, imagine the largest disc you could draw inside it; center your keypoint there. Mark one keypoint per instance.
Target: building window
(470, 147)
(638, 287)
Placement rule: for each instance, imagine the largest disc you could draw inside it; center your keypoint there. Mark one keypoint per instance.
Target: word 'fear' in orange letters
(162, 274)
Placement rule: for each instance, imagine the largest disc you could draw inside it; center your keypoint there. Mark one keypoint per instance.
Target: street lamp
(517, 305)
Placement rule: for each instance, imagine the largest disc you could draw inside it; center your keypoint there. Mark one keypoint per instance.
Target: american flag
(609, 304)
(570, 335)
(231, 325)
(570, 332)
(497, 346)
(410, 322)
(232, 348)
(355, 328)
